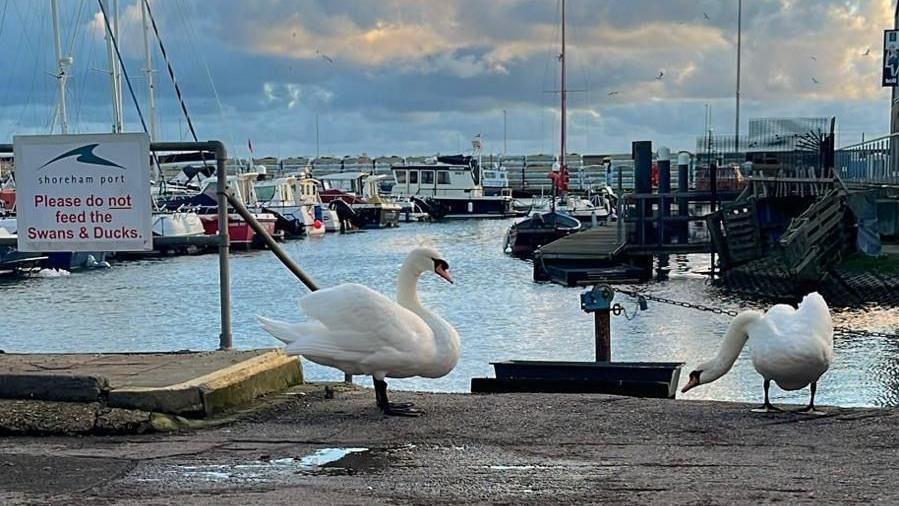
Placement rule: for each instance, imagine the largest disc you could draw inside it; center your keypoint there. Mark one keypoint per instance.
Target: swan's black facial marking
(439, 262)
(694, 381)
(441, 268)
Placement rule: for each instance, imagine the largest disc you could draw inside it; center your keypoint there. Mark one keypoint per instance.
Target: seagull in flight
(613, 93)
(816, 81)
(813, 58)
(324, 56)
(661, 74)
(706, 16)
(867, 52)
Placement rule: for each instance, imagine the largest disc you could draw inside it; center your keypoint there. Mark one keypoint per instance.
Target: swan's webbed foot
(393, 408)
(767, 407)
(810, 410)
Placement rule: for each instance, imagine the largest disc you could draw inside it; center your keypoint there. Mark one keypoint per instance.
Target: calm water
(172, 304)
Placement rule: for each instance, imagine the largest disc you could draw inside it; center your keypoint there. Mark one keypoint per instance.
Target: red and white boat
(240, 234)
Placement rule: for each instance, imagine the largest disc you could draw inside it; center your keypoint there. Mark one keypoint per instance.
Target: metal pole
(276, 249)
(226, 339)
(117, 66)
(894, 109)
(60, 68)
(116, 122)
(505, 138)
(739, 37)
(603, 330)
(149, 56)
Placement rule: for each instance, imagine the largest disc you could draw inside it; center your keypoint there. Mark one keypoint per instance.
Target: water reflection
(172, 304)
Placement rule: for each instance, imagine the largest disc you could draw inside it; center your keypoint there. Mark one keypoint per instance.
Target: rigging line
(3, 16)
(34, 69)
(168, 64)
(115, 45)
(215, 92)
(84, 77)
(76, 26)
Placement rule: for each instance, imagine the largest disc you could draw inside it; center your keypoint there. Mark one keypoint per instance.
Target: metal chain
(838, 330)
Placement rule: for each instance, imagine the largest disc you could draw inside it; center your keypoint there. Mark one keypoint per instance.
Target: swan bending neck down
(360, 331)
(792, 347)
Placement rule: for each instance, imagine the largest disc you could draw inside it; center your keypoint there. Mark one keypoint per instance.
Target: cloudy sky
(425, 76)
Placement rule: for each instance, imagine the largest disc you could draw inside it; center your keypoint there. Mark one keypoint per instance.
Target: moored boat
(451, 188)
(357, 196)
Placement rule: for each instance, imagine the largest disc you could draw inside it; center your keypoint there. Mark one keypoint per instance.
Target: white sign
(890, 58)
(83, 192)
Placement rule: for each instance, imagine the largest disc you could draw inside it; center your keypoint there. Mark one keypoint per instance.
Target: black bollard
(641, 152)
(683, 186)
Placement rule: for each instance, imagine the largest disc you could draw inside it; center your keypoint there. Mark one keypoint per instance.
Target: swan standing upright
(792, 347)
(360, 331)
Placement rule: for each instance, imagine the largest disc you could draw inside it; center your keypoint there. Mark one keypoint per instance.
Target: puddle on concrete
(326, 461)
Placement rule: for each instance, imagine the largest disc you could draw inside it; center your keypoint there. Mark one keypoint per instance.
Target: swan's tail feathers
(287, 332)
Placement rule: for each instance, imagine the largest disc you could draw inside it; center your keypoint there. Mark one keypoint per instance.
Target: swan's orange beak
(444, 273)
(694, 381)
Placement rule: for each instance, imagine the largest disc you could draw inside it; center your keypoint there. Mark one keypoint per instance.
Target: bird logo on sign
(84, 154)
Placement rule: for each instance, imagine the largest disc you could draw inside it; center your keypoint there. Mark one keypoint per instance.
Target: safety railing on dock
(870, 163)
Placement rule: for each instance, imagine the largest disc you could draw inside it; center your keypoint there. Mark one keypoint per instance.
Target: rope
(115, 45)
(168, 64)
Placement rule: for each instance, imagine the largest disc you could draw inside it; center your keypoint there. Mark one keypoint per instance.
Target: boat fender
(317, 224)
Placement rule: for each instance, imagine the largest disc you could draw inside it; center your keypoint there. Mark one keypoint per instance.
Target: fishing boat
(356, 197)
(276, 196)
(496, 181)
(450, 188)
(317, 218)
(240, 234)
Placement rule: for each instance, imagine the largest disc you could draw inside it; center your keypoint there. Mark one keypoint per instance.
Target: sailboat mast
(564, 97)
(113, 75)
(150, 86)
(61, 68)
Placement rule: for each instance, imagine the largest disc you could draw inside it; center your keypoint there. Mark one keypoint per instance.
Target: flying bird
(613, 93)
(813, 58)
(867, 52)
(815, 81)
(661, 73)
(706, 16)
(324, 57)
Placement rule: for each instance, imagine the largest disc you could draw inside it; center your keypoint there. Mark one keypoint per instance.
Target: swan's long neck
(446, 339)
(734, 340)
(407, 289)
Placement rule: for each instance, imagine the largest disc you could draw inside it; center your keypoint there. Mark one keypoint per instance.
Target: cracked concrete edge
(42, 418)
(215, 392)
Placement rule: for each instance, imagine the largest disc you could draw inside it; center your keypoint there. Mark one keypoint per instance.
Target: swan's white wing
(360, 318)
(794, 346)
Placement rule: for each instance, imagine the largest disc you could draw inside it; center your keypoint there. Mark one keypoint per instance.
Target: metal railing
(870, 163)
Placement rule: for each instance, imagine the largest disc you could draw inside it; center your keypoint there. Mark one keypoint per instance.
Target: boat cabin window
(265, 193)
(427, 177)
(413, 176)
(400, 176)
(443, 177)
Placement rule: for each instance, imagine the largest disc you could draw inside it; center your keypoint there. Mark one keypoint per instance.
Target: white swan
(792, 347)
(360, 331)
